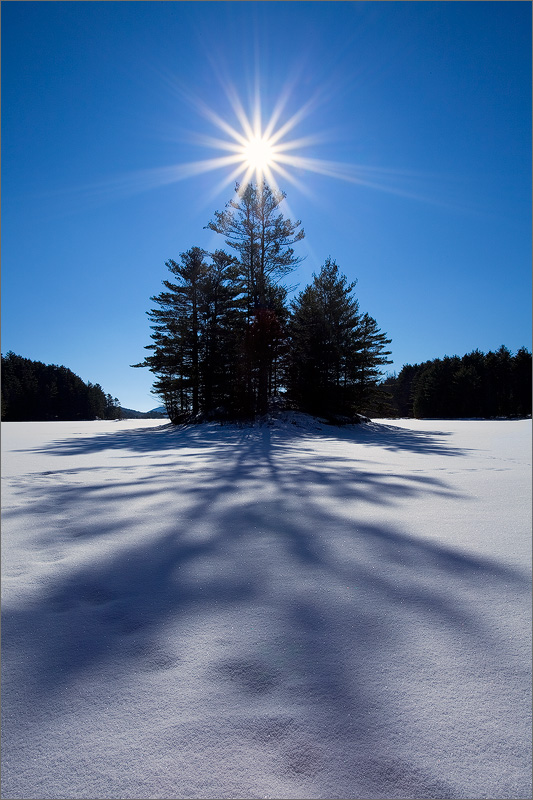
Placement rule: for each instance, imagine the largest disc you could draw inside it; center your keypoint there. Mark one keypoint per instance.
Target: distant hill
(155, 413)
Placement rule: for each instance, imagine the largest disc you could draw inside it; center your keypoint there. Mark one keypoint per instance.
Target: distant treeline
(495, 384)
(33, 391)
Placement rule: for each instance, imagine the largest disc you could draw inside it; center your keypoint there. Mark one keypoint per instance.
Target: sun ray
(276, 113)
(229, 180)
(263, 153)
(257, 126)
(256, 147)
(290, 178)
(211, 115)
(239, 111)
(293, 121)
(218, 144)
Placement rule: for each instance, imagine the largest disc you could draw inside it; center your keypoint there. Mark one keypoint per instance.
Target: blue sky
(417, 117)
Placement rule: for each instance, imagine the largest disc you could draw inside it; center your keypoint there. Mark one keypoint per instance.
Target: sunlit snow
(289, 610)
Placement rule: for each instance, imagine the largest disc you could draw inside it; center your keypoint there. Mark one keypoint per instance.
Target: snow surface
(288, 610)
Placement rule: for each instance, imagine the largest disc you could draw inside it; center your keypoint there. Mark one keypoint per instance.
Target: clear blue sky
(425, 108)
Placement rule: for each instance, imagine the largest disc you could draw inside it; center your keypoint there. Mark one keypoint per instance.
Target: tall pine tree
(372, 355)
(335, 353)
(197, 331)
(254, 226)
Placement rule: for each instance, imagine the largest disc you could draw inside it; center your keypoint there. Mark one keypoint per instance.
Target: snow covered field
(266, 612)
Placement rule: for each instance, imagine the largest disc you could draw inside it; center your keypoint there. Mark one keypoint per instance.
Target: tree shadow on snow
(260, 535)
(169, 437)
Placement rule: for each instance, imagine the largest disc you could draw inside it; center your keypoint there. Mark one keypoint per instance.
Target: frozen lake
(285, 611)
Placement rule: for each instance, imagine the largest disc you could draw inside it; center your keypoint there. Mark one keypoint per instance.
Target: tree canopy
(226, 341)
(336, 352)
(254, 226)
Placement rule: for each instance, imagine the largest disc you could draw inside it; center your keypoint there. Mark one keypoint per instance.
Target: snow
(285, 610)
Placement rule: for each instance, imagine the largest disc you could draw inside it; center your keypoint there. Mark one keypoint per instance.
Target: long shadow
(253, 531)
(168, 437)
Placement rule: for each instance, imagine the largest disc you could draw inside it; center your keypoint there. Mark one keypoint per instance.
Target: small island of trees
(227, 343)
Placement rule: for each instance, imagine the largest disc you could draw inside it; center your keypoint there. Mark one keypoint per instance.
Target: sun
(259, 153)
(259, 148)
(249, 149)
(255, 149)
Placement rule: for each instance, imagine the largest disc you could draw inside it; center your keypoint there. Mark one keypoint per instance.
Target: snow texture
(285, 610)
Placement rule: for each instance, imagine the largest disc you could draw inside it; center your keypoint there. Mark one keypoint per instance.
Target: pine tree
(35, 391)
(476, 385)
(175, 358)
(255, 228)
(521, 382)
(112, 408)
(221, 333)
(436, 393)
(324, 331)
(371, 356)
(425, 387)
(197, 329)
(97, 402)
(336, 353)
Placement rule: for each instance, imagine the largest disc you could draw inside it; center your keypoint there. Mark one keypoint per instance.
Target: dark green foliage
(113, 409)
(221, 329)
(521, 381)
(399, 388)
(265, 348)
(324, 319)
(224, 342)
(335, 352)
(371, 355)
(255, 228)
(476, 385)
(33, 391)
(198, 334)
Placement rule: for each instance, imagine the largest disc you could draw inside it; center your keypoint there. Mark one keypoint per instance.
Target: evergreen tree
(425, 388)
(521, 382)
(197, 330)
(97, 403)
(466, 384)
(222, 330)
(255, 228)
(33, 391)
(499, 369)
(401, 388)
(253, 225)
(335, 352)
(371, 356)
(175, 358)
(435, 393)
(469, 383)
(476, 385)
(112, 407)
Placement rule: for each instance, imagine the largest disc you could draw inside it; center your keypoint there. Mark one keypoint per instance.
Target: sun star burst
(256, 152)
(259, 153)
(248, 151)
